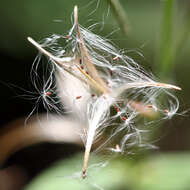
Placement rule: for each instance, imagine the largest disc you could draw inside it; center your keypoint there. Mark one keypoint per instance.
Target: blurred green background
(158, 29)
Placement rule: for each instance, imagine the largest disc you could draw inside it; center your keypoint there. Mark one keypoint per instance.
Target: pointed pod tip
(29, 38)
(164, 85)
(31, 41)
(75, 9)
(178, 88)
(35, 44)
(76, 14)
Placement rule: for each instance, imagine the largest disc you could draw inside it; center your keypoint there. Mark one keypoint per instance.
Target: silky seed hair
(106, 90)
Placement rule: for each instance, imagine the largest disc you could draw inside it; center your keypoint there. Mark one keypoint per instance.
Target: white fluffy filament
(109, 79)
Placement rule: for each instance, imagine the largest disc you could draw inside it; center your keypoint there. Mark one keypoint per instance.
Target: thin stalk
(166, 51)
(124, 87)
(101, 108)
(186, 32)
(86, 58)
(92, 82)
(87, 151)
(120, 14)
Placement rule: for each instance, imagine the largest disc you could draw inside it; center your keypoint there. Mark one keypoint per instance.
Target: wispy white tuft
(106, 90)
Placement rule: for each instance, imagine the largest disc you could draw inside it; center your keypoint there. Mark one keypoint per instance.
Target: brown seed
(78, 97)
(115, 58)
(117, 109)
(111, 72)
(48, 93)
(67, 36)
(124, 118)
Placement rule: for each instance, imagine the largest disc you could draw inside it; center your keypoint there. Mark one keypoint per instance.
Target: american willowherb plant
(107, 92)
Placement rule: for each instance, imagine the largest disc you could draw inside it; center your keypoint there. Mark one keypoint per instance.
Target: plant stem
(120, 15)
(87, 60)
(166, 39)
(186, 31)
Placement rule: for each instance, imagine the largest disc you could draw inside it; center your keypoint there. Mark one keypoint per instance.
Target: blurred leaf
(166, 171)
(67, 174)
(159, 172)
